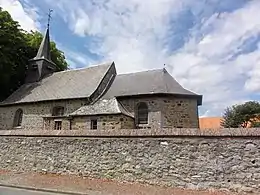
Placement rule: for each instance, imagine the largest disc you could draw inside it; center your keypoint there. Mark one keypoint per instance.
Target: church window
(18, 118)
(58, 111)
(57, 125)
(93, 124)
(142, 113)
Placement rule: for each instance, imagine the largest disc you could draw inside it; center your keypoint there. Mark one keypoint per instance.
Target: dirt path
(81, 185)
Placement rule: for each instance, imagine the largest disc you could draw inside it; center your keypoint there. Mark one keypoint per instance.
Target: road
(15, 191)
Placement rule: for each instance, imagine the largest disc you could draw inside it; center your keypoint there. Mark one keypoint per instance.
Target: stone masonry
(197, 162)
(33, 113)
(180, 113)
(166, 112)
(104, 122)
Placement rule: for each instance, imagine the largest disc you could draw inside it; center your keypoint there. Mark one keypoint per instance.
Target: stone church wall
(33, 113)
(49, 123)
(104, 122)
(166, 111)
(180, 113)
(154, 107)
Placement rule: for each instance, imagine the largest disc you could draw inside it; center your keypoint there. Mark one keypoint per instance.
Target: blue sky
(211, 47)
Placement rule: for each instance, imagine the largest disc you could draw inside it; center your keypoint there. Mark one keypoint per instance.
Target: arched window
(142, 113)
(58, 111)
(18, 117)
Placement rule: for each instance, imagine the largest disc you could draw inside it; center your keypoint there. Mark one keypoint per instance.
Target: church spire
(44, 50)
(41, 65)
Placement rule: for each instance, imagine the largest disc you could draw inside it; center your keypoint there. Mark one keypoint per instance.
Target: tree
(34, 39)
(13, 51)
(16, 48)
(241, 115)
(255, 124)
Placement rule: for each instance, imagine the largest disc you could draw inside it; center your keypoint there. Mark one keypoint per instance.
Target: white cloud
(129, 31)
(80, 22)
(206, 65)
(74, 58)
(27, 17)
(137, 35)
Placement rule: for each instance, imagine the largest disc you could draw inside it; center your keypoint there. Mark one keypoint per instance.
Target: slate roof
(70, 84)
(104, 106)
(157, 81)
(44, 49)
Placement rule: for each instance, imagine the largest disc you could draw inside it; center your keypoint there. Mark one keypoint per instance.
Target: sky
(211, 47)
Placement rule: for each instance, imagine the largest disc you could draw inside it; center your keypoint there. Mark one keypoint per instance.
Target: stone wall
(225, 162)
(33, 113)
(104, 122)
(127, 122)
(163, 112)
(154, 107)
(180, 113)
(166, 112)
(49, 123)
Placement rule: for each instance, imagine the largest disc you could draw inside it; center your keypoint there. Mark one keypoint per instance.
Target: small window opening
(70, 124)
(58, 111)
(94, 124)
(57, 125)
(142, 113)
(18, 118)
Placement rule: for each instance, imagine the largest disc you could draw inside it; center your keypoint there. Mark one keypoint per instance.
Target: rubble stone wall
(33, 113)
(166, 112)
(184, 158)
(104, 122)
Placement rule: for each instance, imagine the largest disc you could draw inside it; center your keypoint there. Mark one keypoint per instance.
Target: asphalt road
(17, 191)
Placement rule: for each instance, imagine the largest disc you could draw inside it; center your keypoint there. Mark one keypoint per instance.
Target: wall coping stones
(170, 132)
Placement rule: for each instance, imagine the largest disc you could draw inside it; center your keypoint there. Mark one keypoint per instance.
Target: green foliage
(241, 115)
(16, 48)
(255, 124)
(34, 39)
(13, 52)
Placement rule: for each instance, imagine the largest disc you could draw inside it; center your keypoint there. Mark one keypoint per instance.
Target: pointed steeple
(44, 50)
(41, 65)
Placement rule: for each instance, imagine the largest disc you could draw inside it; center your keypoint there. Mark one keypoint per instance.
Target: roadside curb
(41, 189)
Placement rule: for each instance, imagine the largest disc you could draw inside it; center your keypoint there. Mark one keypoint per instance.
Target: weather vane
(49, 17)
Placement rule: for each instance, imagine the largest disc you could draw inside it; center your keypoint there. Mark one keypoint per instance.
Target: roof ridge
(165, 83)
(143, 71)
(85, 68)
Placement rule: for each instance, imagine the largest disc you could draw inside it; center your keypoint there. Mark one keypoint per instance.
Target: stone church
(97, 98)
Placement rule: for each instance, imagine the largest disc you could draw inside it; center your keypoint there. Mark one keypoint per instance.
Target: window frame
(142, 113)
(92, 125)
(58, 111)
(18, 118)
(57, 125)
